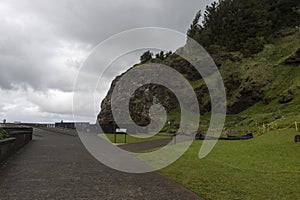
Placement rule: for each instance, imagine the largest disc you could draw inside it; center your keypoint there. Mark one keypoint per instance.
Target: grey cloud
(92, 21)
(43, 43)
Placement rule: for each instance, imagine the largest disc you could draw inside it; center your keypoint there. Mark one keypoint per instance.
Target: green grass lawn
(266, 167)
(132, 139)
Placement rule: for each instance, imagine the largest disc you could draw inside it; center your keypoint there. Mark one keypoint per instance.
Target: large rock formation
(247, 82)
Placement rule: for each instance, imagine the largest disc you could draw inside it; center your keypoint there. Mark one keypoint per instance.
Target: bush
(252, 46)
(146, 56)
(3, 134)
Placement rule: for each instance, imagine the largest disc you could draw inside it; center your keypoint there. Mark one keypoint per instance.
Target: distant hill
(256, 46)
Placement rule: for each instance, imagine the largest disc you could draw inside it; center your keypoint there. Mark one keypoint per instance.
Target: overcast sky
(44, 43)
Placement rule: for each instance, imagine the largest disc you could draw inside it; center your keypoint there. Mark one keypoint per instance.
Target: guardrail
(17, 138)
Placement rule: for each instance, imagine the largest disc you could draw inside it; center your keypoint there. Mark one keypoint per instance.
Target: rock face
(245, 86)
(249, 92)
(140, 103)
(150, 94)
(293, 60)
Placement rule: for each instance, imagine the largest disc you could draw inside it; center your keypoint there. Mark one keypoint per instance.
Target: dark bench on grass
(200, 136)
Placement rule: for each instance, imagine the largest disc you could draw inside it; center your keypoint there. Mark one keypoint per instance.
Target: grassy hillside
(280, 82)
(260, 89)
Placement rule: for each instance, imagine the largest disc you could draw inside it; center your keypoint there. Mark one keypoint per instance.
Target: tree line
(243, 25)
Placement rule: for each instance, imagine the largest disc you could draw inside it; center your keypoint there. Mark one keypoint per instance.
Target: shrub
(146, 56)
(252, 46)
(3, 134)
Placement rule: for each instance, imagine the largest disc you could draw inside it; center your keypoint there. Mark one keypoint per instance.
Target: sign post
(121, 131)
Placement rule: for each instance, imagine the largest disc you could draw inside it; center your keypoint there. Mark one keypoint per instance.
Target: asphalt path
(57, 166)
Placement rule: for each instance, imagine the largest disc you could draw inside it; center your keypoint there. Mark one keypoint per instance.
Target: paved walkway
(147, 145)
(57, 166)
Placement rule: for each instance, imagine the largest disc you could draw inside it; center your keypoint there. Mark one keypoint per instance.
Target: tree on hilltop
(146, 56)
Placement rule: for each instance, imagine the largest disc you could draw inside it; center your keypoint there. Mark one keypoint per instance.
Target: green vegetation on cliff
(264, 82)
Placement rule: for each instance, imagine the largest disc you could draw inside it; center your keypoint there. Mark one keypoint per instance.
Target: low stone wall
(18, 137)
